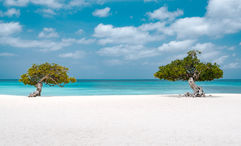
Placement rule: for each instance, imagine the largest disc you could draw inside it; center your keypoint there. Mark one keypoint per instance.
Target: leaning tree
(190, 69)
(49, 74)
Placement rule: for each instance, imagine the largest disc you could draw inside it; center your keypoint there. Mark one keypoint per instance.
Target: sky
(118, 39)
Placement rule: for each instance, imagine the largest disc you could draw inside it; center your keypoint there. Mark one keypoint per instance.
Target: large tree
(49, 74)
(190, 69)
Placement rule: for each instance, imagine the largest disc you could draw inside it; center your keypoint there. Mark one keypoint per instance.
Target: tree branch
(45, 77)
(56, 82)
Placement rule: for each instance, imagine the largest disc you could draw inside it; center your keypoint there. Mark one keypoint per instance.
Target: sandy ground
(158, 120)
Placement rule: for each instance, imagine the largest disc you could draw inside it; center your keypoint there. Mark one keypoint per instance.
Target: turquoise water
(121, 87)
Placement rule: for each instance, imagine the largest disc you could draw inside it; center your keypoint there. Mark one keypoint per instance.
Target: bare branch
(56, 82)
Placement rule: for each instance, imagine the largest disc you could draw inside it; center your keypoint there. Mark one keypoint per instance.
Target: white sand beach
(157, 120)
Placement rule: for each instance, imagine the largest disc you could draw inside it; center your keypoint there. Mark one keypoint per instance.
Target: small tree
(49, 74)
(190, 69)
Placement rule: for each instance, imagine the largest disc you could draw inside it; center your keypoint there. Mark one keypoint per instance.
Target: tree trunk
(198, 91)
(39, 86)
(38, 91)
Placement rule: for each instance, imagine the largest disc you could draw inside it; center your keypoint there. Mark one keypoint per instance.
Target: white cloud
(128, 52)
(221, 59)
(118, 50)
(222, 17)
(184, 28)
(73, 55)
(128, 42)
(114, 62)
(176, 45)
(204, 47)
(43, 45)
(7, 54)
(77, 3)
(117, 35)
(232, 65)
(215, 23)
(150, 0)
(78, 41)
(53, 4)
(224, 9)
(9, 28)
(231, 48)
(159, 27)
(10, 12)
(48, 3)
(191, 27)
(46, 12)
(16, 2)
(102, 12)
(48, 33)
(210, 52)
(163, 14)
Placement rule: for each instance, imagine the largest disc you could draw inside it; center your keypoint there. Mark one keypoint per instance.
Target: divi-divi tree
(48, 74)
(190, 69)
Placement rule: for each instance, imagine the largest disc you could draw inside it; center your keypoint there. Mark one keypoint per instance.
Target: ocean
(121, 87)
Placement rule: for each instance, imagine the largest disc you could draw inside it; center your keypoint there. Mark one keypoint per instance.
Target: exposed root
(38, 90)
(199, 93)
(34, 94)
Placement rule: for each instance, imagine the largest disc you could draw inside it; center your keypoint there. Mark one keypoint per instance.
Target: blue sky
(118, 39)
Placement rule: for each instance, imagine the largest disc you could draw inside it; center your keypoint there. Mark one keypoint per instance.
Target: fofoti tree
(49, 74)
(190, 69)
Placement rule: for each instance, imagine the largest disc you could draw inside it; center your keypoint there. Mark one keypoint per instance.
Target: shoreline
(121, 120)
(164, 95)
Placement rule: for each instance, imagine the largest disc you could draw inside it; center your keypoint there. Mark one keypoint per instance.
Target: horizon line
(136, 79)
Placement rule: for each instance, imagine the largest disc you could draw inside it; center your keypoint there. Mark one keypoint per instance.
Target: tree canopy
(49, 74)
(190, 66)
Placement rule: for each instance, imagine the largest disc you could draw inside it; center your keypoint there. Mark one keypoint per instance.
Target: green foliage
(188, 67)
(49, 74)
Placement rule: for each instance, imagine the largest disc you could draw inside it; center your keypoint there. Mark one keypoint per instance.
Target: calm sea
(122, 87)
